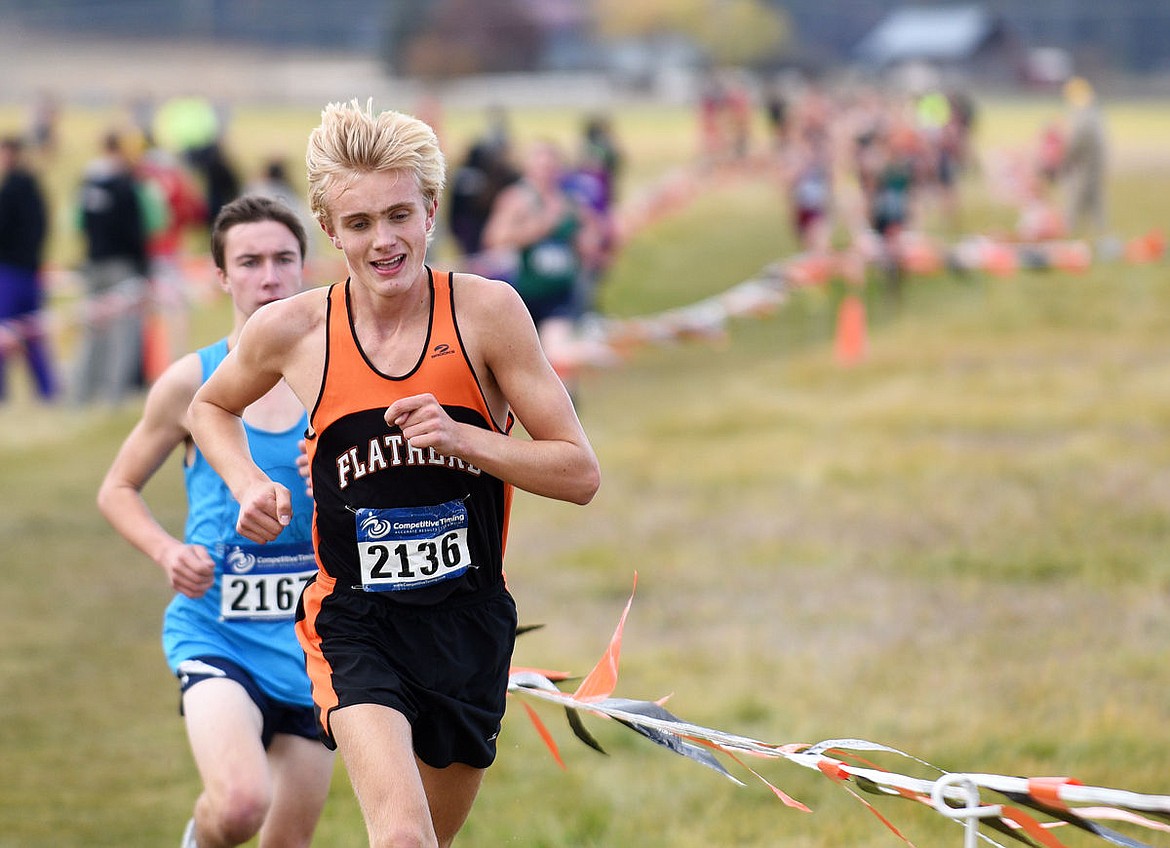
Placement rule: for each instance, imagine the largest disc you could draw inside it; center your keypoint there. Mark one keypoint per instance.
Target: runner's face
(262, 263)
(380, 220)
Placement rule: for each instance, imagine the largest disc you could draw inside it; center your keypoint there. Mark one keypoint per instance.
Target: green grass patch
(957, 547)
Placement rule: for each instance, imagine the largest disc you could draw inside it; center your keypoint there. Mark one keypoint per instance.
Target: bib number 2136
(412, 547)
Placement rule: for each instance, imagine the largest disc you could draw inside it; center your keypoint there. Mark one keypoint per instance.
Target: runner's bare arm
(516, 221)
(557, 460)
(257, 362)
(162, 428)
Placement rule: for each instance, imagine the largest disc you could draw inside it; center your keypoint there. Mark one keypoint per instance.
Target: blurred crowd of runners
(857, 166)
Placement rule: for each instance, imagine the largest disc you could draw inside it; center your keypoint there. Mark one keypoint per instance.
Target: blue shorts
(277, 716)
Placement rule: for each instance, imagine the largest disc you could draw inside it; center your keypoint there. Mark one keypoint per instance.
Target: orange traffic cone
(850, 342)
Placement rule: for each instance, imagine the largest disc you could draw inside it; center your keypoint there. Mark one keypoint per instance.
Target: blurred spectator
(1050, 153)
(220, 181)
(725, 118)
(814, 113)
(179, 208)
(23, 230)
(183, 209)
(776, 113)
(475, 185)
(898, 157)
(738, 116)
(273, 182)
(142, 110)
(808, 178)
(943, 132)
(499, 128)
(42, 123)
(113, 223)
(429, 109)
(964, 113)
(602, 155)
(592, 182)
(1085, 159)
(712, 133)
(556, 239)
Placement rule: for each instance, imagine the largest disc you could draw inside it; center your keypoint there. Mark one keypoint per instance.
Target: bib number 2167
(264, 582)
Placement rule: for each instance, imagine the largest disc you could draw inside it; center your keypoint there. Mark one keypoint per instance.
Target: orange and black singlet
(409, 524)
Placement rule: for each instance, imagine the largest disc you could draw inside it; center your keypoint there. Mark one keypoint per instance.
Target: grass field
(957, 548)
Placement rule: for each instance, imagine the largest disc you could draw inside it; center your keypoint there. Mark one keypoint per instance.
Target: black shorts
(546, 307)
(278, 716)
(444, 667)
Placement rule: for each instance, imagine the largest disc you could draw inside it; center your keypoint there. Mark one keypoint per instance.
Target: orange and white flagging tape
(1037, 805)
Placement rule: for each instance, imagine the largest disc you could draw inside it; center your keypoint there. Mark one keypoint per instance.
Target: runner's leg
(223, 727)
(376, 744)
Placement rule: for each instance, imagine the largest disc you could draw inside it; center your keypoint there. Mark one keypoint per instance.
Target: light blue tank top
(247, 614)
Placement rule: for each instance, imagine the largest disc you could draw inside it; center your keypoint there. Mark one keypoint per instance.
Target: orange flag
(600, 683)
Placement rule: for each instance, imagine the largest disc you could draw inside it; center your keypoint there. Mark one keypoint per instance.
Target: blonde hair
(351, 140)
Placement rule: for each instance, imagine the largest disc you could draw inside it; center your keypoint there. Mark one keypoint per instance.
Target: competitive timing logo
(375, 527)
(240, 562)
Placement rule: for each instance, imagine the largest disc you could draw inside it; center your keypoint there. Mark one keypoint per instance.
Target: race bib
(553, 259)
(264, 582)
(412, 547)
